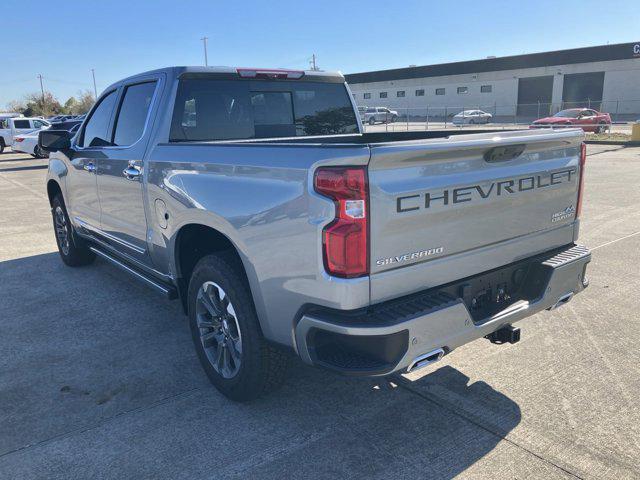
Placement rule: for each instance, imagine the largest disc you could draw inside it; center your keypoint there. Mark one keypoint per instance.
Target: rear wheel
(372, 121)
(72, 249)
(226, 333)
(602, 128)
(1, 145)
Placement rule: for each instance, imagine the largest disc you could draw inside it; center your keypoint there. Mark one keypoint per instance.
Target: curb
(613, 142)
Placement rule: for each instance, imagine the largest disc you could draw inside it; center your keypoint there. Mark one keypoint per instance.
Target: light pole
(42, 90)
(206, 60)
(95, 90)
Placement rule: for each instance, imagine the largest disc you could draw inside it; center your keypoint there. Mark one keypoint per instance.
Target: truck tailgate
(445, 209)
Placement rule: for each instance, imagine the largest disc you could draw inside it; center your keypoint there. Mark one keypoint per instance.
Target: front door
(121, 169)
(82, 188)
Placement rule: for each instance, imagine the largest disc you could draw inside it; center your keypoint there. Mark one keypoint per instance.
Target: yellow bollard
(635, 132)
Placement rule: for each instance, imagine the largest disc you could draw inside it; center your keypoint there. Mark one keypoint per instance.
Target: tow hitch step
(506, 334)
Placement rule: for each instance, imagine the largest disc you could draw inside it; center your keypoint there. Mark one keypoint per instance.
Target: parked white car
(28, 143)
(10, 127)
(471, 117)
(373, 115)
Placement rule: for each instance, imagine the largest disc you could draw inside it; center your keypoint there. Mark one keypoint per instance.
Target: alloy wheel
(219, 329)
(62, 229)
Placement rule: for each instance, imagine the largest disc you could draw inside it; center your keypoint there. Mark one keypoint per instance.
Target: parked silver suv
(375, 115)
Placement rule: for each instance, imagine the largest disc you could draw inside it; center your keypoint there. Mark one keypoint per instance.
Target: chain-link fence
(610, 118)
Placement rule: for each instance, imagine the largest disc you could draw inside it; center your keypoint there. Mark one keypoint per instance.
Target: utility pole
(42, 90)
(314, 67)
(95, 90)
(206, 60)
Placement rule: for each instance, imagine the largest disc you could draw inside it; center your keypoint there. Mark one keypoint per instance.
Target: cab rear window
(212, 109)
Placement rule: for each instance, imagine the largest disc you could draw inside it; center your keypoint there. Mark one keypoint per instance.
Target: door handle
(132, 172)
(89, 167)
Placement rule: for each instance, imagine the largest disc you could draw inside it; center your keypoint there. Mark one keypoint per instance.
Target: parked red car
(590, 120)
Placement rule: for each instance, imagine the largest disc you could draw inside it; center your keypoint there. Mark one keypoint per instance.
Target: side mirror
(54, 140)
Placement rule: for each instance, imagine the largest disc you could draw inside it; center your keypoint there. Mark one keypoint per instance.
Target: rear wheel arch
(193, 242)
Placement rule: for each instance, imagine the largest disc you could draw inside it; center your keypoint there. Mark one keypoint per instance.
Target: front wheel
(39, 153)
(372, 121)
(602, 128)
(72, 249)
(1, 145)
(226, 333)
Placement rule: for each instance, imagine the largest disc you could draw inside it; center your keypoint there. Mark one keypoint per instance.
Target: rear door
(447, 198)
(121, 169)
(21, 126)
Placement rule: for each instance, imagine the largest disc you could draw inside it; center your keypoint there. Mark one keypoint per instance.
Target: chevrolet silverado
(253, 197)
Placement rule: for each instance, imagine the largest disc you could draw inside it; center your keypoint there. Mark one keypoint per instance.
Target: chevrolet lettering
(409, 203)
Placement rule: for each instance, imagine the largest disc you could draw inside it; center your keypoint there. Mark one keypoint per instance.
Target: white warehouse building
(605, 78)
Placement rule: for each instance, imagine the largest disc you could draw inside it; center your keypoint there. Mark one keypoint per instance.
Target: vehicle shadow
(92, 357)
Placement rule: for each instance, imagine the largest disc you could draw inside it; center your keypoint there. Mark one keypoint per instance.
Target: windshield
(211, 109)
(568, 113)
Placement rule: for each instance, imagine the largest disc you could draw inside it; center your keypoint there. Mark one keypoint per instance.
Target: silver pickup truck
(254, 197)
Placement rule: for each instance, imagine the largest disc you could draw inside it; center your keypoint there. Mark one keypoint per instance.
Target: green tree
(70, 106)
(84, 102)
(38, 105)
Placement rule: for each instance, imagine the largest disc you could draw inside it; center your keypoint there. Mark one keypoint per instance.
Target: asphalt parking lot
(98, 378)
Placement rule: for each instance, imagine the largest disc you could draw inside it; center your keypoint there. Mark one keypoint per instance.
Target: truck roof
(177, 71)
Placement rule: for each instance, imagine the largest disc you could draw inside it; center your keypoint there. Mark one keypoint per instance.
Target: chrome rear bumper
(390, 337)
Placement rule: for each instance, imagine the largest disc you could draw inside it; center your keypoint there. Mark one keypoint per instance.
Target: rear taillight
(345, 239)
(583, 160)
(18, 139)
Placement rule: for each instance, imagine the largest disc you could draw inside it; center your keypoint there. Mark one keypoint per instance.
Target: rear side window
(133, 113)
(21, 124)
(95, 133)
(210, 109)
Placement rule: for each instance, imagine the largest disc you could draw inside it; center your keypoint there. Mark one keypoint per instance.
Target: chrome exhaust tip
(426, 359)
(561, 301)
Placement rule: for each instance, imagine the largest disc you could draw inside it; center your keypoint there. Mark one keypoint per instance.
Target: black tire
(1, 145)
(394, 119)
(262, 367)
(602, 128)
(372, 121)
(72, 249)
(38, 153)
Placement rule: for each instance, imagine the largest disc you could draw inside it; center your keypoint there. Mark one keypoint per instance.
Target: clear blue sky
(64, 39)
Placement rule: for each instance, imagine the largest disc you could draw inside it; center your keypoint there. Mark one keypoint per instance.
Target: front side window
(96, 132)
(383, 94)
(568, 113)
(211, 109)
(463, 90)
(133, 113)
(40, 124)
